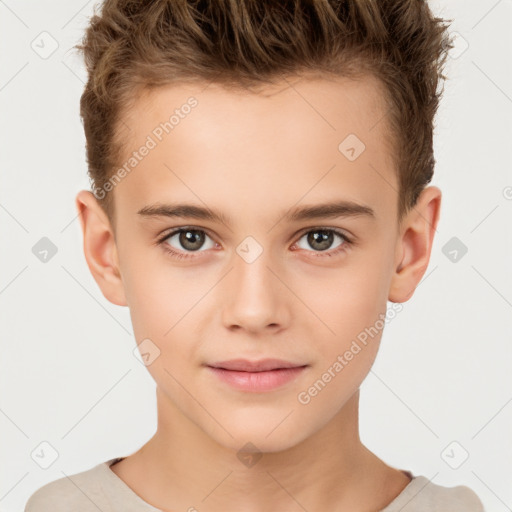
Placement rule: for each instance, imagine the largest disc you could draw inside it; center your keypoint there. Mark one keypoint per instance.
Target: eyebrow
(330, 210)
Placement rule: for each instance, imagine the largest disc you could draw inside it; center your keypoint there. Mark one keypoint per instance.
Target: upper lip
(244, 365)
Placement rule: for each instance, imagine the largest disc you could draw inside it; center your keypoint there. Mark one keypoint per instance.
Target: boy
(259, 172)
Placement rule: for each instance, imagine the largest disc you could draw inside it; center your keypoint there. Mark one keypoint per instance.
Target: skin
(253, 157)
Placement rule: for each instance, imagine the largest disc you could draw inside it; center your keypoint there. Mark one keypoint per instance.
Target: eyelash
(347, 242)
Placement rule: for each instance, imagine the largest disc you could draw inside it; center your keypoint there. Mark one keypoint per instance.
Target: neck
(181, 467)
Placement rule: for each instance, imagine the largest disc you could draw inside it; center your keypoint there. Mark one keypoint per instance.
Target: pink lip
(244, 365)
(256, 376)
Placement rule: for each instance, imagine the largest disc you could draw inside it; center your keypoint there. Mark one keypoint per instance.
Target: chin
(259, 437)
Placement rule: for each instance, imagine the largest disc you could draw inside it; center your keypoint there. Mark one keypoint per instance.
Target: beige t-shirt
(100, 489)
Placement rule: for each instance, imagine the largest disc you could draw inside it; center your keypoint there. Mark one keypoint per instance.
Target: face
(271, 273)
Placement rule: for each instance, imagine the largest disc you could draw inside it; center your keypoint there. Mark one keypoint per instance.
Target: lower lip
(258, 381)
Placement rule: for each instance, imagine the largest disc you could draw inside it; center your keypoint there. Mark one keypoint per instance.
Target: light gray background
(69, 377)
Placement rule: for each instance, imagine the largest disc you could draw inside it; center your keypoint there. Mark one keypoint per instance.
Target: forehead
(305, 140)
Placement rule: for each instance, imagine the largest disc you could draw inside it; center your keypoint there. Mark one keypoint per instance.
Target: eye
(187, 239)
(321, 240)
(190, 240)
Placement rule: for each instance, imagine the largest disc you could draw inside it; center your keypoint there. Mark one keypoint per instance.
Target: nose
(255, 297)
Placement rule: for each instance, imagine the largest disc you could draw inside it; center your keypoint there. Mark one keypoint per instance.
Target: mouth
(257, 376)
(263, 365)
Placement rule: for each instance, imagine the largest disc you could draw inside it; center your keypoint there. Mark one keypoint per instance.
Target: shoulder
(80, 491)
(422, 495)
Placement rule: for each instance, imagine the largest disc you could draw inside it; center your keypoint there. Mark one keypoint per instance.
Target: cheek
(347, 349)
(351, 306)
(347, 300)
(154, 299)
(166, 307)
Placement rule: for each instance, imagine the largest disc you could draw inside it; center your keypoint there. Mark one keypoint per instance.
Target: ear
(100, 247)
(414, 245)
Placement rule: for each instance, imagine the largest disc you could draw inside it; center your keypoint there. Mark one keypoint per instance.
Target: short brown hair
(133, 46)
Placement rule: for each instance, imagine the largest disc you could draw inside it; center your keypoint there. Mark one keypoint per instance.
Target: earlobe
(100, 248)
(415, 245)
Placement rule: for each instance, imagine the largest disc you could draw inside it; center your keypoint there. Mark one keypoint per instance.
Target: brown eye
(323, 239)
(188, 239)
